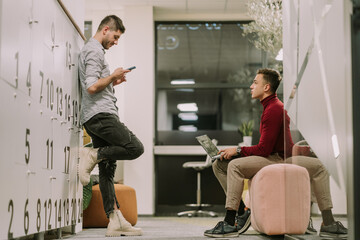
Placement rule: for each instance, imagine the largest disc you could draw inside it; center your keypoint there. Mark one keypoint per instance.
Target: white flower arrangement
(265, 32)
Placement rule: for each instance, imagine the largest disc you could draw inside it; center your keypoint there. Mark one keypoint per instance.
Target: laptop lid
(209, 147)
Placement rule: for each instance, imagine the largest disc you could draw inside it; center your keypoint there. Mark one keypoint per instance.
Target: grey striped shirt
(92, 66)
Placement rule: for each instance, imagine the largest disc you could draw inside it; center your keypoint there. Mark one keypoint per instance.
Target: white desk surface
(183, 149)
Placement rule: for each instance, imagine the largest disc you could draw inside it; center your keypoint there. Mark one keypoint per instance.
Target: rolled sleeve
(93, 67)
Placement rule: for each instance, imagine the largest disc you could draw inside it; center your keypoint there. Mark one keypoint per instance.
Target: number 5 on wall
(27, 145)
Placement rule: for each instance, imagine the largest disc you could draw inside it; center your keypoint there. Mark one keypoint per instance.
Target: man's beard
(106, 44)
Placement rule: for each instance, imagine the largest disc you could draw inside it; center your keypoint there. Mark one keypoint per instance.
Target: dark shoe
(334, 230)
(222, 229)
(310, 229)
(243, 222)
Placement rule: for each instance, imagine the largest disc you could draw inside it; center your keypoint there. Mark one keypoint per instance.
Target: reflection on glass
(188, 116)
(214, 109)
(210, 67)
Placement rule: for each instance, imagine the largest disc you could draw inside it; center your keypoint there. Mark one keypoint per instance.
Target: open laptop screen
(208, 146)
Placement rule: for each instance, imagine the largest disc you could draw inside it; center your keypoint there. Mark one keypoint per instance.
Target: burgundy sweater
(272, 130)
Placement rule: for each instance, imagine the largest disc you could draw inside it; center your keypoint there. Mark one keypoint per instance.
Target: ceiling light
(188, 128)
(187, 107)
(184, 90)
(182, 81)
(193, 27)
(188, 116)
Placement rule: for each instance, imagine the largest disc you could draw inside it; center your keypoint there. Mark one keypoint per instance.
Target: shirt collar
(268, 99)
(97, 44)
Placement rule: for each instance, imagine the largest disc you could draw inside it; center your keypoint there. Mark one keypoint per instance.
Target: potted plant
(246, 129)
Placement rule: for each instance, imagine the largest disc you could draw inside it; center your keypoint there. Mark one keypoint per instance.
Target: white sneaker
(87, 162)
(118, 226)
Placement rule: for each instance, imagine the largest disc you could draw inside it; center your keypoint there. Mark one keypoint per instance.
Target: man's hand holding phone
(120, 72)
(119, 75)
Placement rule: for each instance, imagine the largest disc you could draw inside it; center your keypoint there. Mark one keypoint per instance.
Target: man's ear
(267, 87)
(105, 30)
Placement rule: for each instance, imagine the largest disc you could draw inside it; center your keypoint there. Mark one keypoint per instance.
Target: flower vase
(247, 140)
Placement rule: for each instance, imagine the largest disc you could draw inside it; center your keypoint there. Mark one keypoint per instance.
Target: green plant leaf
(87, 194)
(246, 128)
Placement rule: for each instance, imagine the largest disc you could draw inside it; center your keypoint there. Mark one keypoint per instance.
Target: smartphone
(131, 68)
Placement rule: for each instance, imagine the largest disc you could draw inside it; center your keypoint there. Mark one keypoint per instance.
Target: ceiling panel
(200, 6)
(203, 5)
(170, 6)
(97, 5)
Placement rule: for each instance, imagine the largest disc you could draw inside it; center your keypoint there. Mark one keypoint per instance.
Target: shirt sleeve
(271, 121)
(93, 67)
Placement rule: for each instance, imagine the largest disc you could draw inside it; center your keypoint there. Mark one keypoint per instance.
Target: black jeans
(115, 142)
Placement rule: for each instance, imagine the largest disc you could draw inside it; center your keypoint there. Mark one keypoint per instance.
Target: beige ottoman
(94, 215)
(280, 199)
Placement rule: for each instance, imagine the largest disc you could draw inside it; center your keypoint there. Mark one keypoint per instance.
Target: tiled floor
(184, 228)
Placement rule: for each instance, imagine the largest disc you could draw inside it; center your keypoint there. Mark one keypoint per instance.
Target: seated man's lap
(313, 165)
(249, 166)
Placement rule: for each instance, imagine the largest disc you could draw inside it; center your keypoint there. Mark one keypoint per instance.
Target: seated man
(237, 164)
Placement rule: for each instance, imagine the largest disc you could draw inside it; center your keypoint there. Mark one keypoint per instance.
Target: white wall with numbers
(39, 123)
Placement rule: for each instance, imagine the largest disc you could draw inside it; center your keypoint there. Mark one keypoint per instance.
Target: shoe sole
(310, 232)
(246, 226)
(233, 234)
(333, 235)
(122, 233)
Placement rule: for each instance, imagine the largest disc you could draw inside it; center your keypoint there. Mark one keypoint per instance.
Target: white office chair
(198, 166)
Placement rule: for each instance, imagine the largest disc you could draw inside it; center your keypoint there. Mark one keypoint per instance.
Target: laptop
(209, 147)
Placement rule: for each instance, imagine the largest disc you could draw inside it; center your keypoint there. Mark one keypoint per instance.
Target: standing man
(275, 145)
(112, 140)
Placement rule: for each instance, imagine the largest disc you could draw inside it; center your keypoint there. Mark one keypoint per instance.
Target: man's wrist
(238, 150)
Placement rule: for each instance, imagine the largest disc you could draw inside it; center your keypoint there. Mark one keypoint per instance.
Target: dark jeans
(115, 142)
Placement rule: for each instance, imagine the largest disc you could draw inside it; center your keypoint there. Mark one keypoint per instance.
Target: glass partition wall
(203, 74)
(204, 71)
(317, 92)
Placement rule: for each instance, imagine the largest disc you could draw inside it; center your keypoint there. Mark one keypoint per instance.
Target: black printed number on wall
(73, 207)
(28, 79)
(49, 154)
(47, 224)
(67, 159)
(27, 145)
(42, 83)
(80, 212)
(66, 212)
(60, 208)
(59, 214)
(26, 217)
(59, 100)
(38, 217)
(10, 206)
(48, 205)
(50, 93)
(17, 69)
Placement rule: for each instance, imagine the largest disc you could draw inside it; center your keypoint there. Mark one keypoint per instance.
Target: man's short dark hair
(272, 77)
(114, 23)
